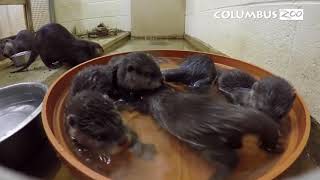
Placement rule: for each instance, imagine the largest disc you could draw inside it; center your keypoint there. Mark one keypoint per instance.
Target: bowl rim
(31, 116)
(88, 172)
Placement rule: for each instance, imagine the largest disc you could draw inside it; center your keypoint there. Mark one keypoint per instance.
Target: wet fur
(56, 46)
(196, 71)
(232, 82)
(93, 122)
(120, 76)
(272, 95)
(99, 78)
(214, 129)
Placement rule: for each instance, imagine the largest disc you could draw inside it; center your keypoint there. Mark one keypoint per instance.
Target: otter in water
(215, 129)
(120, 76)
(22, 42)
(196, 71)
(92, 122)
(56, 45)
(272, 95)
(234, 84)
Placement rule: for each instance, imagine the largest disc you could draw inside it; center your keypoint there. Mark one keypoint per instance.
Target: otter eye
(130, 68)
(71, 122)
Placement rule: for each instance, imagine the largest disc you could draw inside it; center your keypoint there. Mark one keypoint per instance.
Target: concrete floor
(309, 159)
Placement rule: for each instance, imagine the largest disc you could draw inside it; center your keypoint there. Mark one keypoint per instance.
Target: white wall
(86, 14)
(290, 49)
(40, 13)
(11, 20)
(154, 18)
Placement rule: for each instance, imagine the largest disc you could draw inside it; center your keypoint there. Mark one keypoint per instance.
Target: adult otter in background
(93, 123)
(196, 71)
(22, 42)
(272, 95)
(213, 128)
(56, 45)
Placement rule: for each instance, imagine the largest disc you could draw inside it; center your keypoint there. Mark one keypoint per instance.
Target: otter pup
(22, 42)
(93, 123)
(196, 71)
(120, 77)
(56, 45)
(214, 129)
(272, 95)
(97, 78)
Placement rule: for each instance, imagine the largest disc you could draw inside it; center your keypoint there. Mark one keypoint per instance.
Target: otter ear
(130, 68)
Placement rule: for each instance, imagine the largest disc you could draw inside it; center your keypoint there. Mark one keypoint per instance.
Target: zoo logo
(291, 14)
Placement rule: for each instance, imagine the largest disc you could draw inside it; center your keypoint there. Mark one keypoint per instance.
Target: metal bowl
(20, 58)
(21, 131)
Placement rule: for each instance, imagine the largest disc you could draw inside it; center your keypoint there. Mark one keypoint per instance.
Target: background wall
(86, 14)
(40, 13)
(11, 20)
(158, 18)
(290, 49)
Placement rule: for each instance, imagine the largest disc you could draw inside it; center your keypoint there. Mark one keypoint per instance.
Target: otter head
(93, 122)
(273, 96)
(138, 71)
(9, 48)
(235, 79)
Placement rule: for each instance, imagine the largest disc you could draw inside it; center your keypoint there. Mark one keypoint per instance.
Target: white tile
(305, 62)
(70, 10)
(103, 9)
(124, 23)
(124, 7)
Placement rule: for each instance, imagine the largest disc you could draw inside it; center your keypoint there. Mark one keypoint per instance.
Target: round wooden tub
(299, 122)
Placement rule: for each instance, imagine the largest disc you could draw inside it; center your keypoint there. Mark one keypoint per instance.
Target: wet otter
(56, 45)
(272, 95)
(120, 76)
(93, 123)
(215, 129)
(197, 71)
